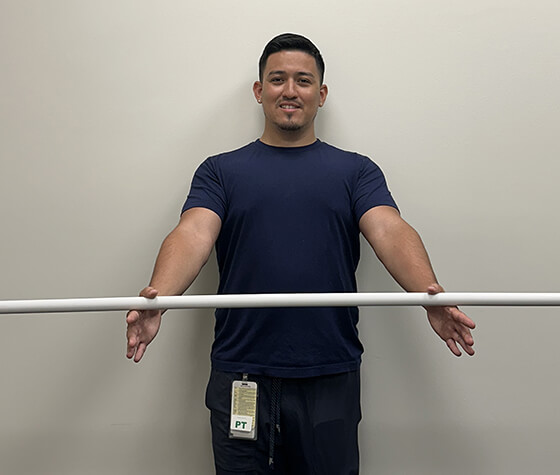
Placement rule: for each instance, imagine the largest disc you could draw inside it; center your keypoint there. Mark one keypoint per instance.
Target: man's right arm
(185, 251)
(181, 257)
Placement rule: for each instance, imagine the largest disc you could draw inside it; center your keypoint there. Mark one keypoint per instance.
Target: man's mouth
(289, 106)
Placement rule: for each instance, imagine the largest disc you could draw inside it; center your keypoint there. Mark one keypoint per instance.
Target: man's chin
(290, 127)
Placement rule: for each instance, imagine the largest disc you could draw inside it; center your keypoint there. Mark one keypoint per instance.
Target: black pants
(314, 431)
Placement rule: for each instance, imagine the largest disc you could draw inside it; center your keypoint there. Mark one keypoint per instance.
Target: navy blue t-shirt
(289, 224)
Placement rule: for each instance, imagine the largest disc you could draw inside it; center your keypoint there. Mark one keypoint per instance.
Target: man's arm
(399, 247)
(181, 257)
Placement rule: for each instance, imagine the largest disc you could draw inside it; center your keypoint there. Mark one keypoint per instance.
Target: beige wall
(106, 109)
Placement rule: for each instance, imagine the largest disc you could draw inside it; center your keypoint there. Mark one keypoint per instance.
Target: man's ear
(257, 91)
(323, 92)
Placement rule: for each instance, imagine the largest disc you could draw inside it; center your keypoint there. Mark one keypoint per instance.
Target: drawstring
(274, 417)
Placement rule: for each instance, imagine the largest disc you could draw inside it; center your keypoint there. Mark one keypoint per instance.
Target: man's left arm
(399, 247)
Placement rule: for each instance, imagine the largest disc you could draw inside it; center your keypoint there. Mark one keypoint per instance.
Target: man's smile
(289, 106)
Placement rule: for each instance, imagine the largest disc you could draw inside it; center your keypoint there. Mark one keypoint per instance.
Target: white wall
(108, 107)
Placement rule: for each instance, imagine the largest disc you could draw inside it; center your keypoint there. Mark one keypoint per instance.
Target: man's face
(290, 91)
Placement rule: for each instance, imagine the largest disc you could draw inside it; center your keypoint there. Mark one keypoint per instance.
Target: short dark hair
(291, 42)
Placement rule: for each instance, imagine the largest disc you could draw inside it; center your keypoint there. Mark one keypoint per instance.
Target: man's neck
(288, 138)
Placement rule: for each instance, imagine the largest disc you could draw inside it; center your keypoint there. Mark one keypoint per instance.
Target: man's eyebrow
(300, 73)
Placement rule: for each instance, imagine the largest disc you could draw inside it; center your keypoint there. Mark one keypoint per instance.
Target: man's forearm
(177, 265)
(399, 247)
(184, 252)
(406, 259)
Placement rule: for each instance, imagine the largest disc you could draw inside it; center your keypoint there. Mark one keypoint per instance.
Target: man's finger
(468, 348)
(453, 347)
(140, 352)
(130, 349)
(461, 318)
(435, 289)
(467, 337)
(466, 342)
(132, 316)
(149, 293)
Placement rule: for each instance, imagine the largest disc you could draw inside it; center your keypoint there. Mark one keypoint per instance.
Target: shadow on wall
(81, 407)
(411, 390)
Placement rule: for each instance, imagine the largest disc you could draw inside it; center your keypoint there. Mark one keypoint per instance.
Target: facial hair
(290, 127)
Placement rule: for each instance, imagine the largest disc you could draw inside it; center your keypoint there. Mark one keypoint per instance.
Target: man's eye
(276, 80)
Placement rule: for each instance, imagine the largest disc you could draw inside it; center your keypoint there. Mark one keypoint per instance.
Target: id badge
(243, 423)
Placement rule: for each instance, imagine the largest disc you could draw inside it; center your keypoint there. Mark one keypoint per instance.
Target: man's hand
(452, 325)
(142, 327)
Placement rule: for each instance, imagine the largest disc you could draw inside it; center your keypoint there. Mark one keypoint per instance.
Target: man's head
(290, 89)
(291, 42)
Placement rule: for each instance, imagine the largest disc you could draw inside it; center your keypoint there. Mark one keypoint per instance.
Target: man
(285, 213)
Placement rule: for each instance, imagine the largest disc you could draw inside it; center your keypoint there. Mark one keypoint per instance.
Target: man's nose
(290, 88)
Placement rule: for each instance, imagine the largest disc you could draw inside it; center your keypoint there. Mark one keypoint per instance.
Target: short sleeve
(370, 189)
(207, 190)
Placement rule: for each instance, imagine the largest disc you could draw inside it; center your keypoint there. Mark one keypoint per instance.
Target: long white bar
(280, 300)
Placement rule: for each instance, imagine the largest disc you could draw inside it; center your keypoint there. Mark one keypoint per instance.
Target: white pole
(279, 300)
